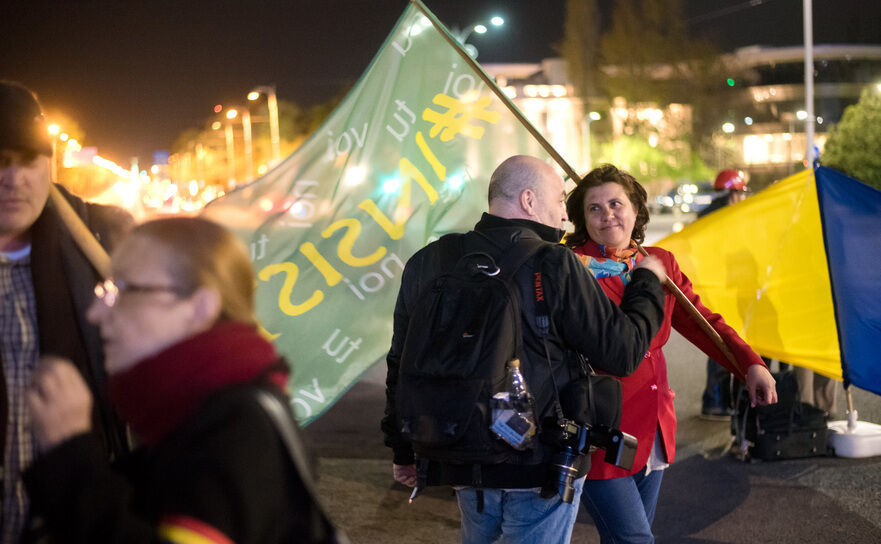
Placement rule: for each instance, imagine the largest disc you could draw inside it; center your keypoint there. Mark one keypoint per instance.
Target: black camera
(572, 440)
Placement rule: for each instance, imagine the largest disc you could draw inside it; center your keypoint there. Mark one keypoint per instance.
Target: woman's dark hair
(606, 173)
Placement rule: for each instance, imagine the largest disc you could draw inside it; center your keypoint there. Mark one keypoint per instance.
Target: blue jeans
(623, 508)
(517, 516)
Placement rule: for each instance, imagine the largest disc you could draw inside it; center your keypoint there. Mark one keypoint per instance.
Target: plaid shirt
(19, 350)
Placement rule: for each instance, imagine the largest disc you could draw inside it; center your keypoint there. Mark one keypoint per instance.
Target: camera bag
(789, 429)
(464, 329)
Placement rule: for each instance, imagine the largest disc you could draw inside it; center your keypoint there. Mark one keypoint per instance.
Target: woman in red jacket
(608, 209)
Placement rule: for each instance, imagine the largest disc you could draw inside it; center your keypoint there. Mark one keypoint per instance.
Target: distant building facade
(763, 131)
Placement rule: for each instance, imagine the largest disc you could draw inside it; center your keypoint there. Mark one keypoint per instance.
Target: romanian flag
(795, 270)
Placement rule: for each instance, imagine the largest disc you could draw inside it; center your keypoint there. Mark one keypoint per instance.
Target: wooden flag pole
(696, 315)
(80, 233)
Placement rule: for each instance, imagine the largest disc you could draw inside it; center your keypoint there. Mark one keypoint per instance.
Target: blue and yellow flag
(765, 265)
(851, 215)
(405, 158)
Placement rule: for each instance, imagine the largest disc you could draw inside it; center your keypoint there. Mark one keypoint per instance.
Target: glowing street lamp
(246, 130)
(272, 104)
(463, 34)
(585, 130)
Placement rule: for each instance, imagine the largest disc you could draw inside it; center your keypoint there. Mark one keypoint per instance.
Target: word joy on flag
(405, 158)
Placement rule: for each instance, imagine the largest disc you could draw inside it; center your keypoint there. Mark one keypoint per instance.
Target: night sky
(136, 74)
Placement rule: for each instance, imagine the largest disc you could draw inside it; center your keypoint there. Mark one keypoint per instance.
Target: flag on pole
(851, 216)
(760, 263)
(404, 159)
(771, 264)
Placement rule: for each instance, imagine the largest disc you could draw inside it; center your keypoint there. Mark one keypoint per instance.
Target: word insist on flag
(404, 159)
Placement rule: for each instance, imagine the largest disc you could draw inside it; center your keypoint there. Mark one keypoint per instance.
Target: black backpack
(463, 330)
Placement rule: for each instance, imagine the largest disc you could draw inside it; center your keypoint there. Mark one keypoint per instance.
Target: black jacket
(614, 339)
(225, 465)
(63, 283)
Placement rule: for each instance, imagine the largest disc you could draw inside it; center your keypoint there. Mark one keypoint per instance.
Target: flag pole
(80, 233)
(573, 175)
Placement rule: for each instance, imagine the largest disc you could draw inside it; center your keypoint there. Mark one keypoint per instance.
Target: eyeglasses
(109, 290)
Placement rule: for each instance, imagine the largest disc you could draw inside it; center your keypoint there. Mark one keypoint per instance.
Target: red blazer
(648, 399)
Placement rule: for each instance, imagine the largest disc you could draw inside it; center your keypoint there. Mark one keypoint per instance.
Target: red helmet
(730, 179)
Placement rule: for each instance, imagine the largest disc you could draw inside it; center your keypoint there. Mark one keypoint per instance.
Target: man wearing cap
(46, 284)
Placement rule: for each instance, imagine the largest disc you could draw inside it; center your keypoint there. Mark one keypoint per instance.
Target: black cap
(22, 125)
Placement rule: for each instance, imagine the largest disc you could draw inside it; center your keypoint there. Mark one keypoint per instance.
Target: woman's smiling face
(609, 215)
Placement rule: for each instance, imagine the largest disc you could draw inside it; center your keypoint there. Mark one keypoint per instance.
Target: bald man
(526, 206)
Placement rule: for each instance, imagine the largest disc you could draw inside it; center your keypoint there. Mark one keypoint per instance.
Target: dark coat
(225, 466)
(64, 284)
(582, 319)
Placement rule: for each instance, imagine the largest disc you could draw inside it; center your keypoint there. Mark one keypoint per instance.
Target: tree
(647, 57)
(581, 46)
(853, 146)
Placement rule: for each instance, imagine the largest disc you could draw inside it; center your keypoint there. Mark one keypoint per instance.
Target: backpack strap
(323, 529)
(543, 324)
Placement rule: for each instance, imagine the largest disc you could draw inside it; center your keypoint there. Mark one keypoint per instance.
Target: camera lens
(563, 473)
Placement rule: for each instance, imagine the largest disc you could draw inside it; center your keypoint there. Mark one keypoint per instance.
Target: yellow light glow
(63, 137)
(215, 125)
(154, 169)
(755, 149)
(253, 95)
(231, 114)
(54, 129)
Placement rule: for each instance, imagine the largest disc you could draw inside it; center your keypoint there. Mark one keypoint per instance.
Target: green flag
(404, 159)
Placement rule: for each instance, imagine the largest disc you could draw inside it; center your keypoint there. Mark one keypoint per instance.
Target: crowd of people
(139, 406)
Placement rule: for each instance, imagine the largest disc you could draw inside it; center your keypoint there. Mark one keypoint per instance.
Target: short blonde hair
(201, 253)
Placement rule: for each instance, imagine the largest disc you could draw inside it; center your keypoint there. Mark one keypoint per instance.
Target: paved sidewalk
(707, 496)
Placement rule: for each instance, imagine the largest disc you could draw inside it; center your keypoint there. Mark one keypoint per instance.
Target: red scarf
(160, 392)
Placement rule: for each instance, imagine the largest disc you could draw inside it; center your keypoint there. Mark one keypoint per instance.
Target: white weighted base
(854, 439)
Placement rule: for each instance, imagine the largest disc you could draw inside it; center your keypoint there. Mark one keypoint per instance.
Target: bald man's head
(524, 187)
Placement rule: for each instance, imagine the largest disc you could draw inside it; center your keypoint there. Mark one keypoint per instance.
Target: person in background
(716, 401)
(45, 287)
(816, 389)
(608, 210)
(186, 365)
(526, 202)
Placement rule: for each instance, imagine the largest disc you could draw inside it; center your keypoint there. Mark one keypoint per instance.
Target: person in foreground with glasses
(186, 363)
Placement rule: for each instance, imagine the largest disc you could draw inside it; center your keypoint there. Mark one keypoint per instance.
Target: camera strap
(543, 324)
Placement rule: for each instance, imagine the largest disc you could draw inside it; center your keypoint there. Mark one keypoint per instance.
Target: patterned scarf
(614, 262)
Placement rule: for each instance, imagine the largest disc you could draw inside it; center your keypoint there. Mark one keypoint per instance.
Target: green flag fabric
(404, 159)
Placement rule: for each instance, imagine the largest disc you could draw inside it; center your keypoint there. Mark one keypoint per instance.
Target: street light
(246, 131)
(585, 129)
(463, 34)
(272, 104)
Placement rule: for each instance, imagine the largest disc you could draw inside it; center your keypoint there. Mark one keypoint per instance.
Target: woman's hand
(655, 265)
(60, 403)
(761, 385)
